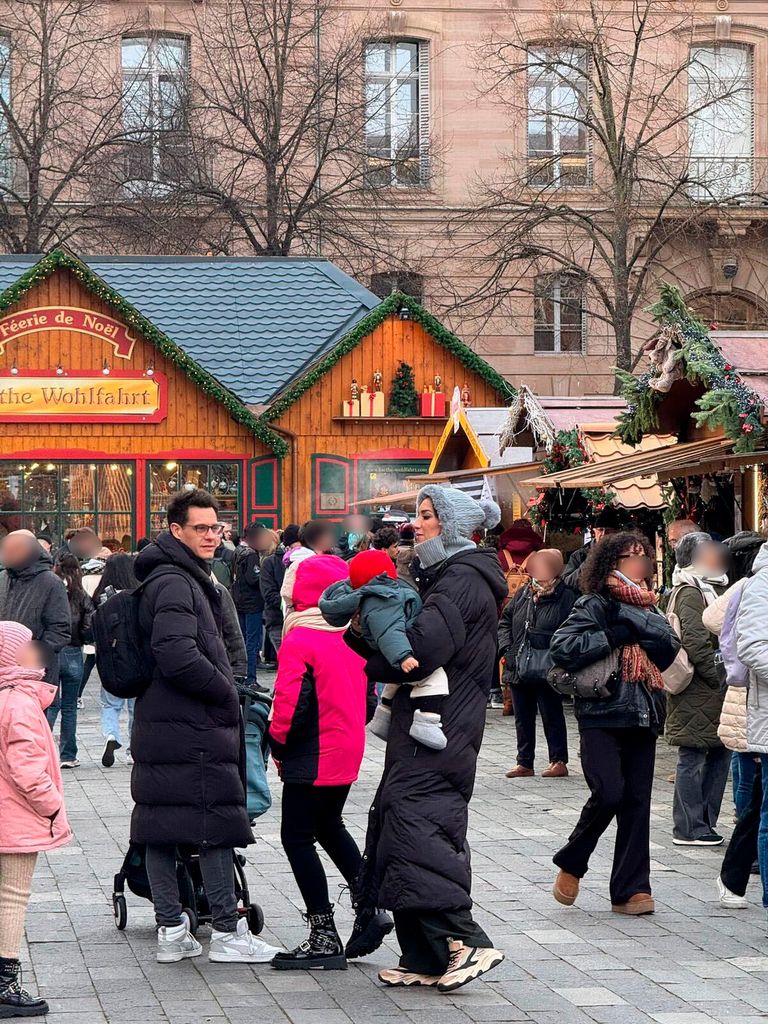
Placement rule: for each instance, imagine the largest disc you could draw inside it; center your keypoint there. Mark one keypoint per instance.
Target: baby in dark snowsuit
(387, 606)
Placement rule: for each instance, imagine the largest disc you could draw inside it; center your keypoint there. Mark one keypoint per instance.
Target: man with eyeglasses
(188, 775)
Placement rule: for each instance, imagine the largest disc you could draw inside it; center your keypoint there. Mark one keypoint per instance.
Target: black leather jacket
(599, 624)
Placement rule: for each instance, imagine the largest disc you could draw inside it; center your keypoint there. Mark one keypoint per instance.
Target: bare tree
(635, 135)
(278, 131)
(60, 118)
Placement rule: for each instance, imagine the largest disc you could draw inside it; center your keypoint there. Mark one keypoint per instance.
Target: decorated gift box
(371, 403)
(351, 407)
(433, 403)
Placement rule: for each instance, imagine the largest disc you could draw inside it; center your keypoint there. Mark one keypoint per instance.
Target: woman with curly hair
(617, 612)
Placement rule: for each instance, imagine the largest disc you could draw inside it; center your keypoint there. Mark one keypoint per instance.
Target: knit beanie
(13, 636)
(685, 552)
(367, 565)
(460, 515)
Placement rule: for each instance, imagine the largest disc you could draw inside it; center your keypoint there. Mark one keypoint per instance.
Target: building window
(61, 496)
(398, 281)
(559, 317)
(558, 142)
(397, 112)
(222, 479)
(6, 149)
(155, 86)
(720, 126)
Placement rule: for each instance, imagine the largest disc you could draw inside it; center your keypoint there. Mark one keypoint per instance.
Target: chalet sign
(67, 318)
(83, 398)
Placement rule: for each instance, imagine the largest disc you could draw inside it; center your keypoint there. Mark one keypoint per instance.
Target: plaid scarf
(636, 666)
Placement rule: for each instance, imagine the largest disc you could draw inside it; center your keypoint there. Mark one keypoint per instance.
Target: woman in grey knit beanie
(417, 860)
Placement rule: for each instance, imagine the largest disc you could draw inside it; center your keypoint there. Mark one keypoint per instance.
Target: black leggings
(312, 814)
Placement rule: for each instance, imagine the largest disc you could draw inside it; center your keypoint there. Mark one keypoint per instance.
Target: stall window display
(222, 479)
(59, 496)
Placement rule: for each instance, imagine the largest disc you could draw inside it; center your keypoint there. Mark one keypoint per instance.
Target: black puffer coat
(599, 624)
(187, 741)
(417, 856)
(535, 618)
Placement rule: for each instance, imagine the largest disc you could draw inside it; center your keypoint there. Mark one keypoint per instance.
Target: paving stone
(590, 996)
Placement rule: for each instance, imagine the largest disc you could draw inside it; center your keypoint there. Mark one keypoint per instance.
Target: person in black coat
(417, 860)
(606, 523)
(525, 630)
(188, 781)
(273, 570)
(618, 735)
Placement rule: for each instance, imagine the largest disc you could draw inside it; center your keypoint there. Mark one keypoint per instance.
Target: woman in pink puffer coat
(32, 815)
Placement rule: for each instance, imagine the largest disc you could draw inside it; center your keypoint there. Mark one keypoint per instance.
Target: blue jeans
(251, 624)
(743, 769)
(762, 835)
(70, 675)
(110, 715)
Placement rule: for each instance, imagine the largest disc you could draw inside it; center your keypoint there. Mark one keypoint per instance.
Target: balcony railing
(728, 180)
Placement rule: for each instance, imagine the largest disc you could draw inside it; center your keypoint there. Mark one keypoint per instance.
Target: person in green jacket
(692, 716)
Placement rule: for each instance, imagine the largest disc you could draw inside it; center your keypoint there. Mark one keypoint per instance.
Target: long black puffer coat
(187, 741)
(417, 856)
(535, 618)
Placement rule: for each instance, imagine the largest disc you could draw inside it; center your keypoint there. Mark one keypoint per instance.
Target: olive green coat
(694, 714)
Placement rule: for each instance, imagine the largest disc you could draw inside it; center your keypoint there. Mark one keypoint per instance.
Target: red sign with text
(67, 318)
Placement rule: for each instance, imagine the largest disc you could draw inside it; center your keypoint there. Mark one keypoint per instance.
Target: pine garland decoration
(394, 304)
(404, 399)
(567, 452)
(728, 401)
(60, 257)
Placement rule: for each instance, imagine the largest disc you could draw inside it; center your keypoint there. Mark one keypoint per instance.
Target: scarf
(312, 619)
(636, 666)
(703, 582)
(540, 590)
(432, 552)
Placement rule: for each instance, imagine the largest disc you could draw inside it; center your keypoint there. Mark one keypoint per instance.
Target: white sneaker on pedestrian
(108, 754)
(174, 944)
(240, 947)
(70, 764)
(467, 963)
(729, 899)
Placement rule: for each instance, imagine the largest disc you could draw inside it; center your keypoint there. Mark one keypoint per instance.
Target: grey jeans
(276, 636)
(217, 869)
(699, 786)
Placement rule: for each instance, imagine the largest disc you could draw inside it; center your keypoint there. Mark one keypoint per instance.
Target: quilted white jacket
(752, 647)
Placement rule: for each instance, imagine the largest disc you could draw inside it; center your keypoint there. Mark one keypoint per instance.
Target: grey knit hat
(460, 515)
(685, 552)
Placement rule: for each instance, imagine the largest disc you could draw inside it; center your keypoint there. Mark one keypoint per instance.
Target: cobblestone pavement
(689, 964)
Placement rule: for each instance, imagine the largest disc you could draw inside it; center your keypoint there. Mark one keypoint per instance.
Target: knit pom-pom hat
(460, 515)
(13, 636)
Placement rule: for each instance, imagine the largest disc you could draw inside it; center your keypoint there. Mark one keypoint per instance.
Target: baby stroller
(191, 888)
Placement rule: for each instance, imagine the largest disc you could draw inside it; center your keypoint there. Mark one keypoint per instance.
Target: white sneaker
(240, 947)
(729, 899)
(174, 944)
(427, 729)
(70, 764)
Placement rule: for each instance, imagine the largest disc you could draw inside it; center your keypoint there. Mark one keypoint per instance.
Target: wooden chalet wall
(316, 418)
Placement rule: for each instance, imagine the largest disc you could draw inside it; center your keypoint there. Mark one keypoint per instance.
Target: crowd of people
(408, 631)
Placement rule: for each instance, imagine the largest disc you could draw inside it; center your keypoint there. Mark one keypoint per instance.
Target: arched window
(559, 315)
(730, 310)
(397, 112)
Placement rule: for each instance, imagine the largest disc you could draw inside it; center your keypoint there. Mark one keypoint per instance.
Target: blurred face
(325, 543)
(263, 542)
(30, 656)
(709, 559)
(427, 525)
(201, 532)
(541, 569)
(18, 550)
(635, 564)
(226, 533)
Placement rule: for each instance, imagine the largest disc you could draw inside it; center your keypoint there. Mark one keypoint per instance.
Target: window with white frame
(6, 162)
(720, 122)
(155, 84)
(558, 141)
(559, 314)
(397, 112)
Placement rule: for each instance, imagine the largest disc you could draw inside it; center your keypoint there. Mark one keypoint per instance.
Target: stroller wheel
(192, 922)
(120, 910)
(255, 919)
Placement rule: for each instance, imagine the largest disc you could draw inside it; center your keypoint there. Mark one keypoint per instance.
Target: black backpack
(122, 661)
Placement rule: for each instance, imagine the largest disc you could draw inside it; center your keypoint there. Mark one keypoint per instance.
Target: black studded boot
(370, 929)
(322, 951)
(14, 1000)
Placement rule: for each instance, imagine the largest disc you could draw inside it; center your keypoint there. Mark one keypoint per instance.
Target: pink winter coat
(32, 814)
(317, 732)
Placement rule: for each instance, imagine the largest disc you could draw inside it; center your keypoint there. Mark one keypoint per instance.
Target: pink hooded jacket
(32, 814)
(317, 732)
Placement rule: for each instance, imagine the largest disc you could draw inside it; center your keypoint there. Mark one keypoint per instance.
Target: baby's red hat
(368, 565)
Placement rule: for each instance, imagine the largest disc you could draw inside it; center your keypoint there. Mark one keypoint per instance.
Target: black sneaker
(15, 1001)
(711, 839)
(322, 951)
(370, 929)
(108, 754)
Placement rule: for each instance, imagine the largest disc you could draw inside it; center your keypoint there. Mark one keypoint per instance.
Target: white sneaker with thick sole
(729, 899)
(467, 963)
(174, 944)
(427, 729)
(240, 947)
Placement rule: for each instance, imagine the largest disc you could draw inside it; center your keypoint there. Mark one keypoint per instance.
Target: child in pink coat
(32, 815)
